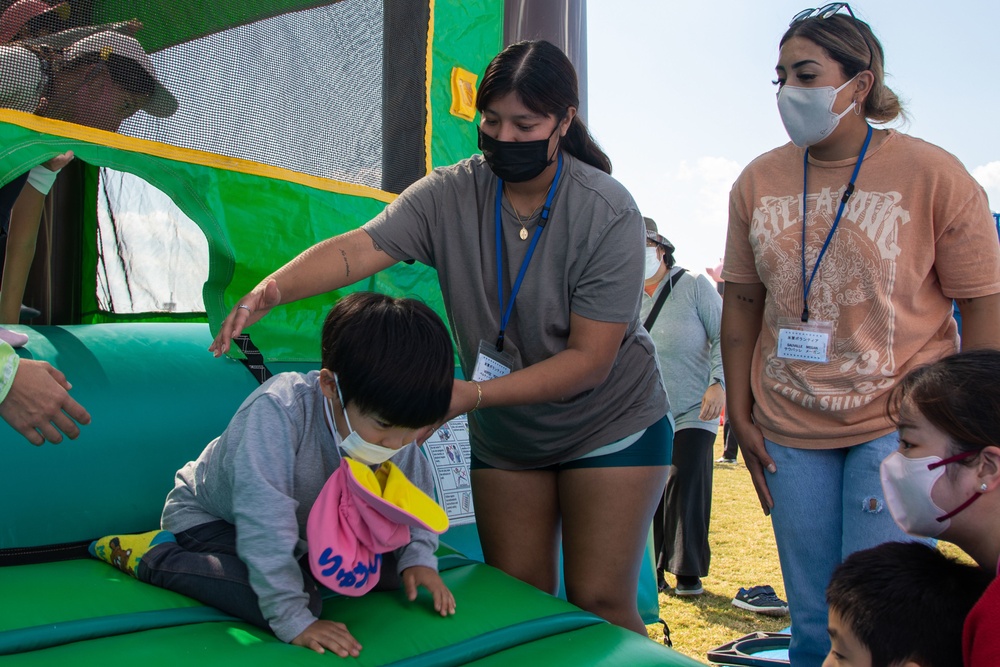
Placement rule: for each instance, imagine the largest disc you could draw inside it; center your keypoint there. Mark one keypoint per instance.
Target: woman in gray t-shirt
(540, 260)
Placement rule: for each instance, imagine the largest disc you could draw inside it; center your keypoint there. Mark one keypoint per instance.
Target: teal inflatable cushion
(156, 397)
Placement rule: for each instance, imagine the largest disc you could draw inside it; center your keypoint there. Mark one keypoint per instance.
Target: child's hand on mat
(323, 635)
(444, 601)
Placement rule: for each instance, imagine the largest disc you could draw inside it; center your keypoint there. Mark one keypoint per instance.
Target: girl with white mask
(845, 250)
(943, 481)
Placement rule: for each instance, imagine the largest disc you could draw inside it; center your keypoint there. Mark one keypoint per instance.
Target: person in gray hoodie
(234, 526)
(685, 328)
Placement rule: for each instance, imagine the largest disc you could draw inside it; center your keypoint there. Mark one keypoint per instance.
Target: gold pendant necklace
(524, 229)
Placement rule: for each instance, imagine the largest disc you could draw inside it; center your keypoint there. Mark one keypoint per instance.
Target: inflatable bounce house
(224, 138)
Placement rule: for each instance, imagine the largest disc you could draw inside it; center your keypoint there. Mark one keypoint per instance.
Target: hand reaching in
(247, 310)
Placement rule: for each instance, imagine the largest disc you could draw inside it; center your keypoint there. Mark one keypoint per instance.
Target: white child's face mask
(907, 485)
(357, 447)
(807, 113)
(653, 263)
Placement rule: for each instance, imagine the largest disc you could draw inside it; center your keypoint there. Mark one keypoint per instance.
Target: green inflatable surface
(75, 612)
(157, 397)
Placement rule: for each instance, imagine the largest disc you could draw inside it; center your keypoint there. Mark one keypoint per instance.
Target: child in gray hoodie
(234, 526)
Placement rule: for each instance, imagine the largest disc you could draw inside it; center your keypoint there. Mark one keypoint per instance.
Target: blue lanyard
(505, 313)
(840, 211)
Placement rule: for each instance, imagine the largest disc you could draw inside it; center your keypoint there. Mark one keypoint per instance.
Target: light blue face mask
(653, 263)
(807, 113)
(357, 447)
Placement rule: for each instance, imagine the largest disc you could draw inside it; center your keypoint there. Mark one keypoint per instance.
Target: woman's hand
(329, 635)
(247, 310)
(756, 457)
(712, 402)
(418, 575)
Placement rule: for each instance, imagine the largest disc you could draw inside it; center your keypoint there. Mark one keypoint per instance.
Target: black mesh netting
(329, 89)
(310, 89)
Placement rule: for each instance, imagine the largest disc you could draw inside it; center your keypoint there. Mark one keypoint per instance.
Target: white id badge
(805, 341)
(491, 364)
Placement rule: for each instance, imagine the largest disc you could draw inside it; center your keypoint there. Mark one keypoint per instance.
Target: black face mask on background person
(516, 161)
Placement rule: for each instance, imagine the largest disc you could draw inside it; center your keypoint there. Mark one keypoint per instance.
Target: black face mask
(516, 161)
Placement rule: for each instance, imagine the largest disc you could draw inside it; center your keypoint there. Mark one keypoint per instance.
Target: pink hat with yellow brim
(360, 515)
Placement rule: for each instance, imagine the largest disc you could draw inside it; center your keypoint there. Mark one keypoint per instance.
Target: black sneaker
(725, 459)
(761, 600)
(688, 587)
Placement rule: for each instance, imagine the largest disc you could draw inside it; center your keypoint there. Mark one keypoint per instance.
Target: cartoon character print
(120, 557)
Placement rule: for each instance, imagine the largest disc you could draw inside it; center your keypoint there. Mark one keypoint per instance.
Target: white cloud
(988, 176)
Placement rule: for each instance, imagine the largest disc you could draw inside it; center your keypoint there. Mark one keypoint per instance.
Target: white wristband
(42, 179)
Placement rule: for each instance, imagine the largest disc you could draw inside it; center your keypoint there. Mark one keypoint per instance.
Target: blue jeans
(827, 505)
(203, 564)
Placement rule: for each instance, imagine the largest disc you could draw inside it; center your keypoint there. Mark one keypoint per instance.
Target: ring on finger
(244, 307)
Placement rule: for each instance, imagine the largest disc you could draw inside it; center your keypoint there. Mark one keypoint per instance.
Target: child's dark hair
(960, 395)
(393, 358)
(906, 601)
(545, 81)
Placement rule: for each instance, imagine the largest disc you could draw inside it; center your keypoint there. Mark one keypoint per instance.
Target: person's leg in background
(685, 511)
(730, 447)
(808, 524)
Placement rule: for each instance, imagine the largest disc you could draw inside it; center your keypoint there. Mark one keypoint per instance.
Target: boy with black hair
(239, 525)
(900, 604)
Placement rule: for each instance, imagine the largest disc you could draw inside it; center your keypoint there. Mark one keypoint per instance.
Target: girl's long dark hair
(545, 81)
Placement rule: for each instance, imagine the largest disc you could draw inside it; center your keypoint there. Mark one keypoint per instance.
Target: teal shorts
(654, 448)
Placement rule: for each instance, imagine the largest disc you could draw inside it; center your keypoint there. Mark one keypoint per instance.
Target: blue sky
(680, 96)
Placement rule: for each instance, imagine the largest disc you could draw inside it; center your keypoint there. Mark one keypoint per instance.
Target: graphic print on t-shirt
(853, 288)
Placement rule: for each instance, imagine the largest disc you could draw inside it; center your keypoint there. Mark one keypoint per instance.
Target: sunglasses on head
(825, 12)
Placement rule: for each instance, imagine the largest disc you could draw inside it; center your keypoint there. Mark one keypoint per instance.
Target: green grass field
(743, 554)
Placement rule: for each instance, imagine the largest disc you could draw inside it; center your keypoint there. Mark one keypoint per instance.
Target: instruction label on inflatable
(449, 454)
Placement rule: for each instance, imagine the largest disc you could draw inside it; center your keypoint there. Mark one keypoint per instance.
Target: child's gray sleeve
(423, 543)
